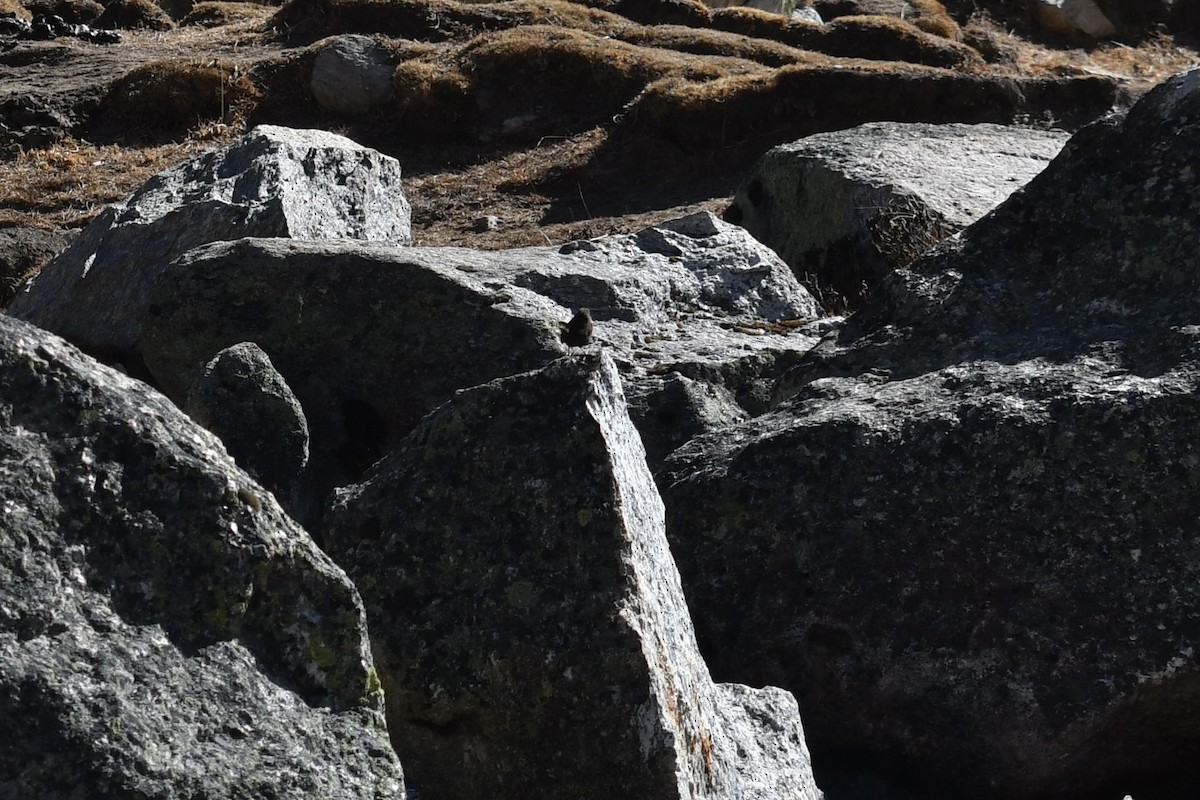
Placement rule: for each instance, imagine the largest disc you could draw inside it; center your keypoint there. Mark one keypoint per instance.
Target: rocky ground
(382, 486)
(525, 122)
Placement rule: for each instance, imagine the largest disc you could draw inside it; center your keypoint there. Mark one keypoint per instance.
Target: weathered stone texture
(165, 631)
(845, 208)
(244, 400)
(966, 538)
(274, 181)
(528, 621)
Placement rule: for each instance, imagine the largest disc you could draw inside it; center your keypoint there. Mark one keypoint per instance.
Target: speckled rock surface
(244, 400)
(528, 622)
(165, 631)
(23, 251)
(278, 182)
(845, 208)
(967, 538)
(371, 337)
(352, 74)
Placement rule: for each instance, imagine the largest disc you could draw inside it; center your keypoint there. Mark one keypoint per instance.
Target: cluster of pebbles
(45, 27)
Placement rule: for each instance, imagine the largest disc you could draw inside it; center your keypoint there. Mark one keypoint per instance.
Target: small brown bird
(577, 332)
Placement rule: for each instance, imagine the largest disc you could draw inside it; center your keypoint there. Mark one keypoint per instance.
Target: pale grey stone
(352, 74)
(165, 630)
(302, 184)
(518, 536)
(973, 512)
(844, 208)
(1073, 16)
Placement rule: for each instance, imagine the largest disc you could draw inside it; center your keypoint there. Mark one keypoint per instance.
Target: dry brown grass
(134, 15)
(765, 25)
(67, 184)
(540, 80)
(933, 18)
(799, 100)
(14, 8)
(435, 20)
(872, 37)
(176, 95)
(214, 13)
(892, 39)
(715, 42)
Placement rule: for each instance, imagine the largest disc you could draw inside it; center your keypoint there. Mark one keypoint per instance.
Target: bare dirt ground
(663, 124)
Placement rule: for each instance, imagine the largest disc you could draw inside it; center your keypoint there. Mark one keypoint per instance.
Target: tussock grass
(14, 8)
(215, 13)
(932, 17)
(716, 42)
(69, 183)
(537, 79)
(799, 100)
(436, 20)
(134, 15)
(174, 96)
(872, 37)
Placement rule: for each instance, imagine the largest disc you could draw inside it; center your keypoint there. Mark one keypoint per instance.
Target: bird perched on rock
(577, 332)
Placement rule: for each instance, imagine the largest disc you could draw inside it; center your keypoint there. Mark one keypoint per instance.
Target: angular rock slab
(244, 400)
(352, 74)
(968, 542)
(372, 337)
(528, 621)
(845, 208)
(165, 631)
(1073, 17)
(273, 182)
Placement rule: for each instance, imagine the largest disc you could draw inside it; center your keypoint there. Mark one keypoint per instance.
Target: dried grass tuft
(14, 8)
(67, 184)
(932, 17)
(176, 96)
(134, 15)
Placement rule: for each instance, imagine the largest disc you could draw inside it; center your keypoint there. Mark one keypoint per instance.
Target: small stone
(486, 224)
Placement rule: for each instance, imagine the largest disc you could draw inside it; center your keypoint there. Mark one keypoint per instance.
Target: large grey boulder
(1073, 17)
(529, 626)
(352, 74)
(244, 400)
(845, 208)
(371, 337)
(165, 631)
(967, 539)
(276, 182)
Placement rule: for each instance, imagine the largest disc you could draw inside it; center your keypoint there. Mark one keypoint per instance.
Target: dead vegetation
(67, 184)
(562, 119)
(14, 8)
(134, 15)
(175, 96)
